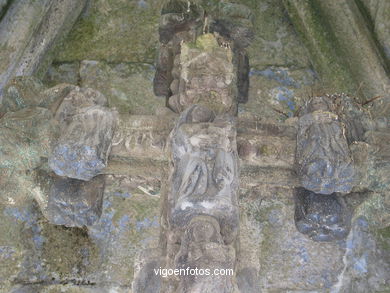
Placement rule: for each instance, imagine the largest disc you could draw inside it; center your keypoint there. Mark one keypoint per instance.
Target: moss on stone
(114, 31)
(383, 236)
(68, 252)
(206, 42)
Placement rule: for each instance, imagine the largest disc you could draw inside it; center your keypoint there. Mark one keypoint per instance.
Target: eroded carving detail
(83, 148)
(323, 158)
(205, 176)
(81, 152)
(327, 127)
(203, 247)
(183, 73)
(203, 71)
(323, 217)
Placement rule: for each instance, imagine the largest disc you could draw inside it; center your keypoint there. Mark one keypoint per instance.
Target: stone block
(75, 203)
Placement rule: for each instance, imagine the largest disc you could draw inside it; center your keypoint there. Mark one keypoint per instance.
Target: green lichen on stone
(206, 42)
(376, 210)
(127, 86)
(68, 252)
(275, 41)
(114, 31)
(383, 236)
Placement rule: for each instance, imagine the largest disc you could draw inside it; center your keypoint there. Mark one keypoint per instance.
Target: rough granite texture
(84, 146)
(121, 37)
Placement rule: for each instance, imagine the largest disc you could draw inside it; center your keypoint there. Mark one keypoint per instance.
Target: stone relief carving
(176, 77)
(323, 159)
(205, 175)
(75, 203)
(206, 159)
(79, 155)
(202, 246)
(83, 148)
(327, 127)
(202, 70)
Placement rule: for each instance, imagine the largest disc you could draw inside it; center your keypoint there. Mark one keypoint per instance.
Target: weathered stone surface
(203, 247)
(205, 175)
(62, 73)
(275, 38)
(272, 253)
(290, 261)
(247, 280)
(43, 257)
(321, 217)
(243, 70)
(163, 78)
(366, 263)
(26, 137)
(355, 59)
(3, 4)
(277, 92)
(54, 26)
(378, 14)
(28, 91)
(128, 87)
(192, 36)
(145, 279)
(83, 148)
(29, 31)
(378, 166)
(75, 203)
(21, 92)
(357, 120)
(93, 39)
(16, 28)
(323, 159)
(74, 101)
(286, 260)
(54, 96)
(218, 76)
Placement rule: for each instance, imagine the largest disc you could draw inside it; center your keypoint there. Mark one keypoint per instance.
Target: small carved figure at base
(322, 217)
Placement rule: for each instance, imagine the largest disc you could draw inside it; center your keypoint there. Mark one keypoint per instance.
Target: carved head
(318, 104)
(204, 229)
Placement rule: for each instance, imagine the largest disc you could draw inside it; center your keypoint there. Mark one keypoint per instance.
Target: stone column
(203, 72)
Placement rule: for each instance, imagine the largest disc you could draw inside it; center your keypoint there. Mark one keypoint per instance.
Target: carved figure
(205, 175)
(203, 249)
(83, 148)
(184, 22)
(323, 158)
(328, 126)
